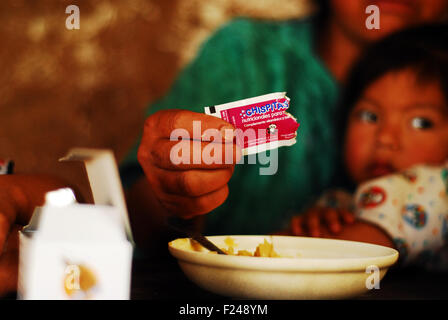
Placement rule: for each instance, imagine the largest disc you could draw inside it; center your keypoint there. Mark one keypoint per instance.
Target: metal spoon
(187, 227)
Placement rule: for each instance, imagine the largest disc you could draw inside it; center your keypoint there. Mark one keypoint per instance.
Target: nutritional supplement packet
(261, 122)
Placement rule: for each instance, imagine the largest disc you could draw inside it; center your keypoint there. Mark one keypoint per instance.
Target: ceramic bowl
(309, 268)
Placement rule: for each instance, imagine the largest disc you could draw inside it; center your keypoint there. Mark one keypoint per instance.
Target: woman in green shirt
(309, 60)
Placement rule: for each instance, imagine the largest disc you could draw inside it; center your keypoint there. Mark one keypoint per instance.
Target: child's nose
(388, 136)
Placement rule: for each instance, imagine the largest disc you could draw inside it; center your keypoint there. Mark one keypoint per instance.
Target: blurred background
(63, 88)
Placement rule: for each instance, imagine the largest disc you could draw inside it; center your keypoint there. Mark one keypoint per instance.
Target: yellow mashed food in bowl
(264, 249)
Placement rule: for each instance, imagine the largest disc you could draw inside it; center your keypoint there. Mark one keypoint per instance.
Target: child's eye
(421, 123)
(368, 116)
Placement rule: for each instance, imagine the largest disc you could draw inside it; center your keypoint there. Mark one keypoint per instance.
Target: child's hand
(321, 222)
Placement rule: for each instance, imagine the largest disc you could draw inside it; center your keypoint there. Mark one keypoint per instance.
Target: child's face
(397, 123)
(394, 15)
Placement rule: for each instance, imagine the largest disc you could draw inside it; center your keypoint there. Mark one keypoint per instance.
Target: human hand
(9, 262)
(19, 195)
(321, 222)
(11, 205)
(196, 185)
(12, 202)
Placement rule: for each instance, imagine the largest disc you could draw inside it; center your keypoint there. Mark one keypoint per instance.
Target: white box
(80, 251)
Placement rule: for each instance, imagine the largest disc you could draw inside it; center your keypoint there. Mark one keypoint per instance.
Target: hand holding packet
(261, 123)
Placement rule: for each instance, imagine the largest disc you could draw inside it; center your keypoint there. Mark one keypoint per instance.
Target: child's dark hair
(423, 49)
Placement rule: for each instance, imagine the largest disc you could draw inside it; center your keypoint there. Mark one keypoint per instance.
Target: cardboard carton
(79, 251)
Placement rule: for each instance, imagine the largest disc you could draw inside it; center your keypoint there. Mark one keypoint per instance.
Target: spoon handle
(185, 227)
(206, 243)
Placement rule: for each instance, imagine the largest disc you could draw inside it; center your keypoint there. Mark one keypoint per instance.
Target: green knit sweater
(247, 58)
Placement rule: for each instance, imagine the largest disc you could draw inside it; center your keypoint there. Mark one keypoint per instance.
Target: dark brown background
(63, 88)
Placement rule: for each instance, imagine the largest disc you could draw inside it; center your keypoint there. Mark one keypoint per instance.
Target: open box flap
(104, 179)
(33, 225)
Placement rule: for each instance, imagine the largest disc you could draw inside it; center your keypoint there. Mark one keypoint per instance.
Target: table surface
(162, 279)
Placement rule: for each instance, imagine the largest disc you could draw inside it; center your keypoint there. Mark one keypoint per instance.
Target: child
(396, 120)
